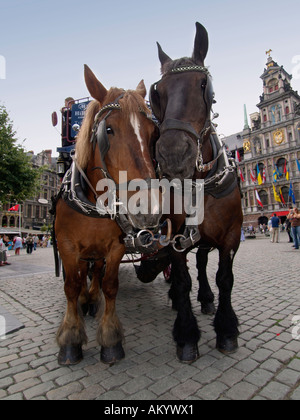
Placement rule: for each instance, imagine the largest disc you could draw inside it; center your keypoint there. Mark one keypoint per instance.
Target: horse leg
(185, 332)
(94, 291)
(71, 334)
(84, 295)
(226, 322)
(205, 295)
(110, 334)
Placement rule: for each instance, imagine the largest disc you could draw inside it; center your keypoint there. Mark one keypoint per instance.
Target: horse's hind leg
(71, 334)
(226, 322)
(185, 332)
(205, 295)
(110, 333)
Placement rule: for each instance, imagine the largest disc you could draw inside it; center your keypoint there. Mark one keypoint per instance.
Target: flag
(298, 164)
(237, 155)
(258, 199)
(252, 176)
(241, 175)
(276, 195)
(291, 194)
(14, 208)
(281, 196)
(275, 174)
(264, 176)
(286, 171)
(259, 177)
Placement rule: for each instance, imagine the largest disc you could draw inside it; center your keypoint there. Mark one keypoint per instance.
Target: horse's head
(116, 144)
(182, 101)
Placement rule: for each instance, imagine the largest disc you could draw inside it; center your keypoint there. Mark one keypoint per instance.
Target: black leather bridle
(174, 124)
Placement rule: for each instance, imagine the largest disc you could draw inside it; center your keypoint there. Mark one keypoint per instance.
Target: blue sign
(78, 111)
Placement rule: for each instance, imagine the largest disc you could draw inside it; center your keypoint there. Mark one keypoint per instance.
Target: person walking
(294, 217)
(275, 228)
(29, 244)
(3, 256)
(17, 244)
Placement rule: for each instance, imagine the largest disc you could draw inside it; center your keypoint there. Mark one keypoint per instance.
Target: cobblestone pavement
(266, 366)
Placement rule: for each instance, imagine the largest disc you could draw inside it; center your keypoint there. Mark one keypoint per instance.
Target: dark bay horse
(188, 148)
(117, 135)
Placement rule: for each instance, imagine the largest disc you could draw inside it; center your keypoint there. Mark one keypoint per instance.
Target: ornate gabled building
(270, 149)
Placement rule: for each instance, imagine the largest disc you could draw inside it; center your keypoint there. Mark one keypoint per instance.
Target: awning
(282, 213)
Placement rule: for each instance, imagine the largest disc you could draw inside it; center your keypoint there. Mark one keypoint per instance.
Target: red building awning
(281, 213)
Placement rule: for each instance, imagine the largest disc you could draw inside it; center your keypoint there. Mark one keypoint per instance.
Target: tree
(18, 178)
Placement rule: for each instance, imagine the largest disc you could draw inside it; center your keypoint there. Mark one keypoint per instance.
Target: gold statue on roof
(269, 52)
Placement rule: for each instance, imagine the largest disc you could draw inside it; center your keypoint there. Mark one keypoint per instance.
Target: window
(264, 197)
(273, 85)
(281, 164)
(285, 193)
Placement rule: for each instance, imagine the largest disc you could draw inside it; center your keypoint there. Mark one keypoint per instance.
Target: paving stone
(266, 366)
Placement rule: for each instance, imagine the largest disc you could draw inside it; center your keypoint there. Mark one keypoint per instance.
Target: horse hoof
(208, 308)
(70, 355)
(189, 353)
(111, 355)
(227, 345)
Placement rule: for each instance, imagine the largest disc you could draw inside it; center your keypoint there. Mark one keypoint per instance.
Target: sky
(44, 45)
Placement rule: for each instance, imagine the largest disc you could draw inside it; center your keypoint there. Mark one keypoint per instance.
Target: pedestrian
(17, 244)
(3, 256)
(294, 217)
(288, 228)
(275, 228)
(35, 242)
(242, 235)
(29, 244)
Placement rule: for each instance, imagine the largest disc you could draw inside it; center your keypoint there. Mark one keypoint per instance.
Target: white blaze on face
(136, 128)
(155, 207)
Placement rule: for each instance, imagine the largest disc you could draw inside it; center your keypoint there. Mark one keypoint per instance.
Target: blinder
(155, 101)
(102, 139)
(209, 93)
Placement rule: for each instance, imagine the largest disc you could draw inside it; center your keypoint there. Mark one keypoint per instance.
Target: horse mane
(131, 102)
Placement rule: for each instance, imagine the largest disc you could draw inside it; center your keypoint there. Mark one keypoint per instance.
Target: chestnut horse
(117, 135)
(188, 148)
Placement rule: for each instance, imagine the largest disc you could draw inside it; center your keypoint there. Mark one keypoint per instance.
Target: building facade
(269, 149)
(34, 212)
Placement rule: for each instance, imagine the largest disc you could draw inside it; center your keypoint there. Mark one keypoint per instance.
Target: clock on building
(278, 136)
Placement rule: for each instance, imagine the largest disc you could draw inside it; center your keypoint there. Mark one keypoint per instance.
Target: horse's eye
(203, 85)
(109, 130)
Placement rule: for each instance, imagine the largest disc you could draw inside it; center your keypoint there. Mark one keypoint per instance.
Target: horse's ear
(201, 44)
(96, 89)
(141, 89)
(163, 57)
